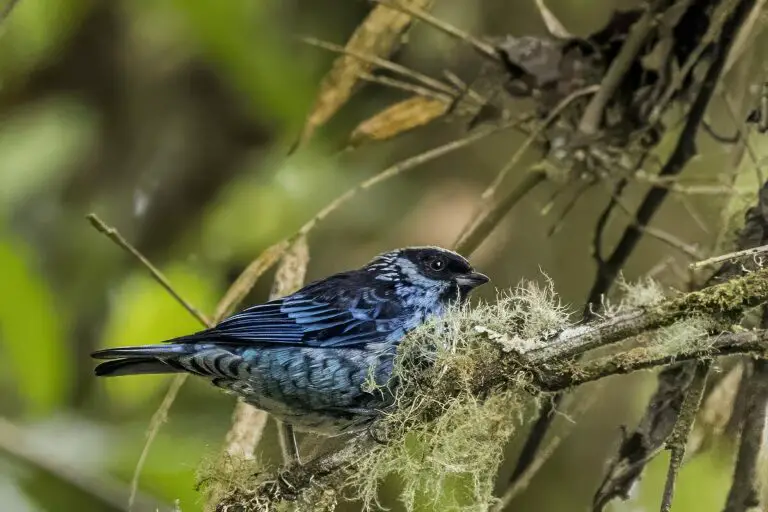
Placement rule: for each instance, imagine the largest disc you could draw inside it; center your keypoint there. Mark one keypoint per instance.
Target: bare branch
(116, 237)
(679, 438)
(730, 256)
(745, 493)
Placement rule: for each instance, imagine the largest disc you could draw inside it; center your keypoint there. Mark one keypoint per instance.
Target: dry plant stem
(401, 167)
(683, 427)
(730, 256)
(248, 422)
(482, 223)
(406, 86)
(554, 25)
(483, 48)
(382, 63)
(158, 420)
(521, 483)
(747, 34)
(593, 114)
(245, 433)
(746, 488)
(116, 237)
(715, 25)
(111, 494)
(490, 218)
(489, 192)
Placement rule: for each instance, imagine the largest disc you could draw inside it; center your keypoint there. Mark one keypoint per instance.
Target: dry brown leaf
(245, 281)
(378, 34)
(403, 116)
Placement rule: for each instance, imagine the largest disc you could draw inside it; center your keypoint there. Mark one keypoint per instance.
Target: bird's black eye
(437, 264)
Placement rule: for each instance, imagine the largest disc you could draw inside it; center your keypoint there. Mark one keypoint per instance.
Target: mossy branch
(725, 301)
(497, 353)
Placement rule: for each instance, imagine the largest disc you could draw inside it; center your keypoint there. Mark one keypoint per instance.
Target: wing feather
(307, 319)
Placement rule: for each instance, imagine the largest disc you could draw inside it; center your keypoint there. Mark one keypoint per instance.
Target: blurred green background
(171, 119)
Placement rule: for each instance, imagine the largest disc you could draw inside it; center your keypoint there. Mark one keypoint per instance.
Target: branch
(679, 438)
(116, 237)
(746, 489)
(726, 300)
(502, 361)
(637, 359)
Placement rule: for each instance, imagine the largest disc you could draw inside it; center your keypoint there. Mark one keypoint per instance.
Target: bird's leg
(288, 444)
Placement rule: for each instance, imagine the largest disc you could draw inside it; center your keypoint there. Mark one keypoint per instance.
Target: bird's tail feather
(140, 360)
(159, 351)
(134, 366)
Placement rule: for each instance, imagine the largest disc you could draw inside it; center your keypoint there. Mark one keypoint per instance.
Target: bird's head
(430, 268)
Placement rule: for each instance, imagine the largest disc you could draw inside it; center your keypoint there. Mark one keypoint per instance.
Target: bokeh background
(172, 120)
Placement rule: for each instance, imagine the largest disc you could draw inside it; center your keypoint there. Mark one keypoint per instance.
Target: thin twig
(638, 34)
(520, 484)
(158, 420)
(683, 427)
(116, 237)
(483, 48)
(485, 223)
(489, 214)
(405, 86)
(401, 167)
(538, 130)
(730, 256)
(382, 63)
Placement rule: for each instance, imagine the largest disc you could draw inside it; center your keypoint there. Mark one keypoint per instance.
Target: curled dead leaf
(398, 118)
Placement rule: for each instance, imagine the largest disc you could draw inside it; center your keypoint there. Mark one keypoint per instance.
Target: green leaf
(31, 331)
(144, 313)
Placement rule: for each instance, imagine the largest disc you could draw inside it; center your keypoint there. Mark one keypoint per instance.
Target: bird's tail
(141, 360)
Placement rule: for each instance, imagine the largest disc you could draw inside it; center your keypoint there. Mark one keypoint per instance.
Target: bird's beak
(472, 279)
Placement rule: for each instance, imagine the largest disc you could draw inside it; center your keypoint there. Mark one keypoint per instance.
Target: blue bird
(306, 358)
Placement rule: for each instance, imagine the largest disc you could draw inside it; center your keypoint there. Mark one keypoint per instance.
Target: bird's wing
(321, 316)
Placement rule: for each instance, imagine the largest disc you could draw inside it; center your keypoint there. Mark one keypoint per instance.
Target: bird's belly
(316, 389)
